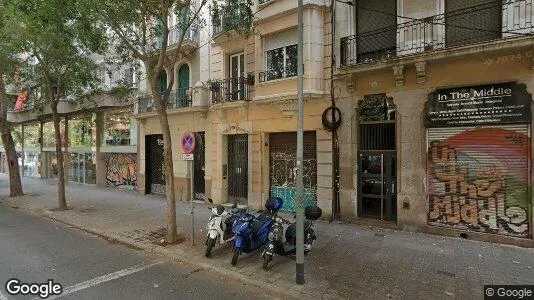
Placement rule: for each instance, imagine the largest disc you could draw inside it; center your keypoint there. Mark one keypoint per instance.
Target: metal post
(382, 186)
(300, 148)
(192, 211)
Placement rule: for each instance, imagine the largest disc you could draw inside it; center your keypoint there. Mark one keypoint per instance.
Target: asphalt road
(34, 249)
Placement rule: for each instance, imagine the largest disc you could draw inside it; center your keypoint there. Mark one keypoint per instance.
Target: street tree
(62, 37)
(9, 61)
(141, 32)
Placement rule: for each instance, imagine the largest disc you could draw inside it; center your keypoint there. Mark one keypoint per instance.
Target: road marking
(98, 280)
(2, 296)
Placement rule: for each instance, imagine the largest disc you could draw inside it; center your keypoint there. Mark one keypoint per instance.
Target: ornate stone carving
(399, 75)
(288, 107)
(420, 70)
(351, 83)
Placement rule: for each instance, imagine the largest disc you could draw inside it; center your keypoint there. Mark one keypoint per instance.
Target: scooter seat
(260, 220)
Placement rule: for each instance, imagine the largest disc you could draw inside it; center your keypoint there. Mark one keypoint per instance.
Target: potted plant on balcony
(249, 80)
(214, 85)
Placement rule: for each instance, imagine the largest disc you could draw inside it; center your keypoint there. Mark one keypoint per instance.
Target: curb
(174, 255)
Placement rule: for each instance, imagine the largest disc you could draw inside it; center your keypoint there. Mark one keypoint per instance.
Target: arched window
(183, 85)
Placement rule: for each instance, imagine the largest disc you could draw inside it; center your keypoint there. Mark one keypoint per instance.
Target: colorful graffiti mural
(478, 180)
(121, 171)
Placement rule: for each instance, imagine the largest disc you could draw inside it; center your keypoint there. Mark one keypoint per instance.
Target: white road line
(98, 280)
(2, 296)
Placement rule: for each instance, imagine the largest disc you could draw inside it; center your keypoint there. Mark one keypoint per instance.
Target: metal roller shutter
(478, 178)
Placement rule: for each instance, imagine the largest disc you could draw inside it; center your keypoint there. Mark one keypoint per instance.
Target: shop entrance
(82, 167)
(199, 166)
(238, 169)
(155, 177)
(377, 194)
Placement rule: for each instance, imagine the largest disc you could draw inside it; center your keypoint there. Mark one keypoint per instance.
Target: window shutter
(281, 39)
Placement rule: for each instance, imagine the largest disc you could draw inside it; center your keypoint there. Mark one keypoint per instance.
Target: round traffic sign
(188, 142)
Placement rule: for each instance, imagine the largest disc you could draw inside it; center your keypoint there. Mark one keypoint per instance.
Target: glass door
(73, 165)
(237, 73)
(377, 188)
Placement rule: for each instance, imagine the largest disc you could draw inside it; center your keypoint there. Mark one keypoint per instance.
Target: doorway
(199, 165)
(183, 86)
(82, 167)
(377, 163)
(237, 73)
(155, 176)
(238, 169)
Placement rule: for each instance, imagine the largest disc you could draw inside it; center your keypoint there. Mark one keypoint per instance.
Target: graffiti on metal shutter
(478, 180)
(121, 171)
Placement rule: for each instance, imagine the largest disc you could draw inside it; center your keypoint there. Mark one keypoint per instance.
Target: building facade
(98, 138)
(241, 103)
(435, 98)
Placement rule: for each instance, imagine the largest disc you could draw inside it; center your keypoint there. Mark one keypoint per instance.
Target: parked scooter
(219, 227)
(252, 232)
(276, 237)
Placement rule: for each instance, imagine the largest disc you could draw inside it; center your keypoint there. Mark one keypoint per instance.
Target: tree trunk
(172, 234)
(15, 184)
(62, 199)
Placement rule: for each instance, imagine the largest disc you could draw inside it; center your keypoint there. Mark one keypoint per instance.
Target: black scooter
(276, 243)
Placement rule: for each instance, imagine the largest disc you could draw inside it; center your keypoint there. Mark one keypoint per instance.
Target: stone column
(411, 151)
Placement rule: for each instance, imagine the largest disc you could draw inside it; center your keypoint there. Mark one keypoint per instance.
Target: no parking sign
(188, 145)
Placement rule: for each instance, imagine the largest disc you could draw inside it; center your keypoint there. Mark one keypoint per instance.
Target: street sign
(188, 142)
(188, 156)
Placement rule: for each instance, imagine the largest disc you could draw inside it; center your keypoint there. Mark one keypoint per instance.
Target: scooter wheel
(266, 259)
(235, 256)
(210, 243)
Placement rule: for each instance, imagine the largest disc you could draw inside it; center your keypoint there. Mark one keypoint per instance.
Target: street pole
(192, 210)
(300, 148)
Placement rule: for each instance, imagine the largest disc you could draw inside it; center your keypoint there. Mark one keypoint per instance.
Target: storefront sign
(502, 103)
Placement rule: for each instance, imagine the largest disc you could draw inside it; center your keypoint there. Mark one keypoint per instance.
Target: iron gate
(283, 172)
(199, 166)
(238, 168)
(155, 177)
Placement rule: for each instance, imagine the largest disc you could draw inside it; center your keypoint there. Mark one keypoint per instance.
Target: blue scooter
(252, 233)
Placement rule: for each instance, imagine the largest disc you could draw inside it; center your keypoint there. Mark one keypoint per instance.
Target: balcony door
(472, 21)
(376, 24)
(237, 74)
(183, 86)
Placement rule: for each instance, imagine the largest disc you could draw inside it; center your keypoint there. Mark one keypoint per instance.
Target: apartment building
(240, 100)
(98, 137)
(435, 98)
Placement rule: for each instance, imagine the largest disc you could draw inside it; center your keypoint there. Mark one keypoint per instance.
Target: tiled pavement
(348, 261)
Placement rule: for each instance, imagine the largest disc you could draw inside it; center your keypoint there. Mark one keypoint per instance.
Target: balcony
(474, 25)
(231, 89)
(189, 42)
(228, 19)
(177, 99)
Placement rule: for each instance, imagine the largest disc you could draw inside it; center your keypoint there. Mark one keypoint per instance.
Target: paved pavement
(33, 250)
(348, 261)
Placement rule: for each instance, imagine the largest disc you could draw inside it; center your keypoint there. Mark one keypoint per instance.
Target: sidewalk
(347, 261)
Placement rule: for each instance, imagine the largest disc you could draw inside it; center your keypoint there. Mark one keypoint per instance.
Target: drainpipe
(335, 145)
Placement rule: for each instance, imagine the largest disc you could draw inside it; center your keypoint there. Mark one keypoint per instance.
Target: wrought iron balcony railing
(231, 89)
(229, 19)
(177, 99)
(481, 23)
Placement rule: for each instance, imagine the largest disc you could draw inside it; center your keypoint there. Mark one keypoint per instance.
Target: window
(280, 63)
(119, 129)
